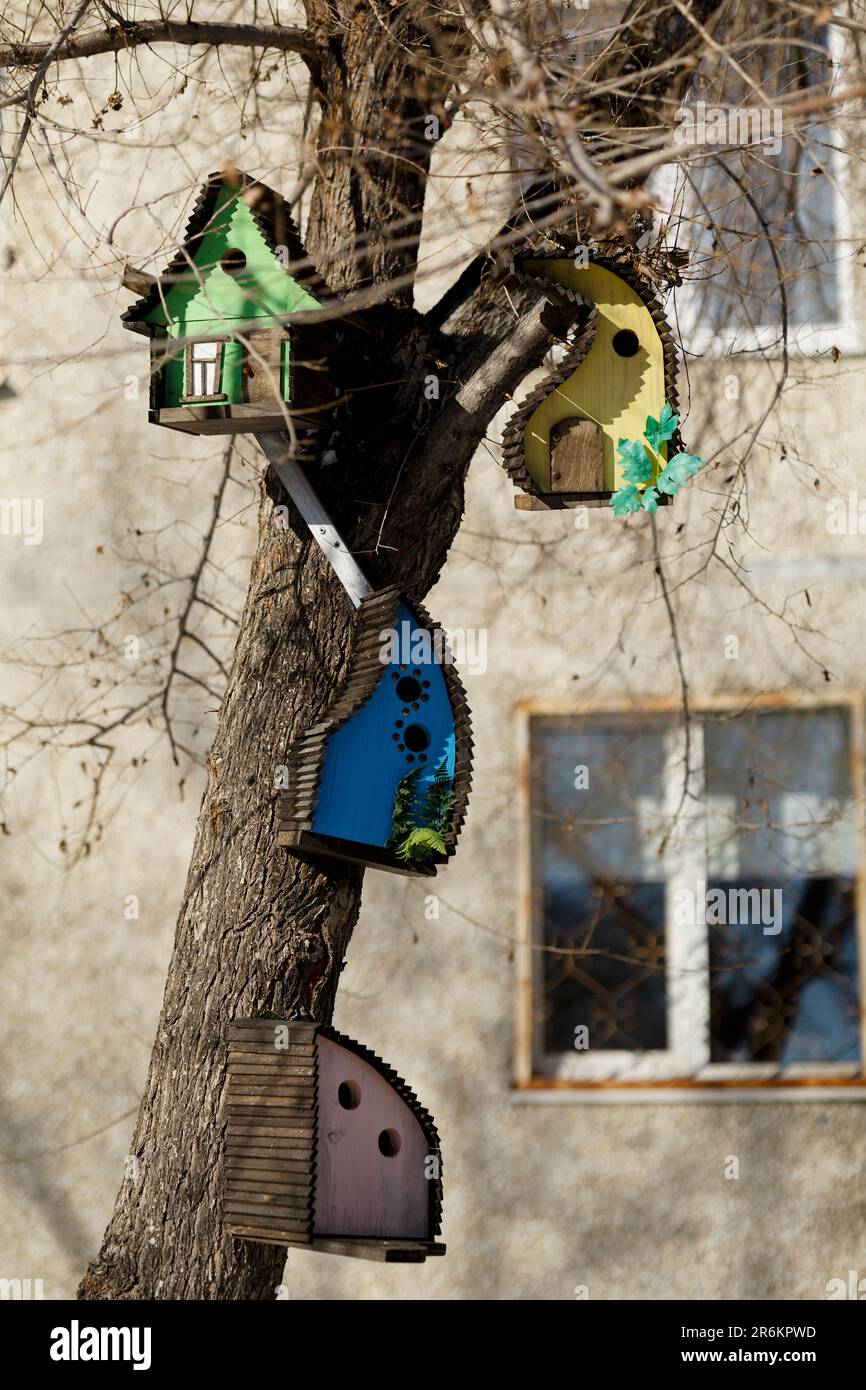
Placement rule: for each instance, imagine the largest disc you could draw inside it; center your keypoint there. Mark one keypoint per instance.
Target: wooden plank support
(389, 1251)
(277, 450)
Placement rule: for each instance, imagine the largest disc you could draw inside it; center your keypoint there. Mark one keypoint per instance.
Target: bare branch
(130, 35)
(50, 50)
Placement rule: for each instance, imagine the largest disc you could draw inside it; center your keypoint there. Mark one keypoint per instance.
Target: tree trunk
(258, 929)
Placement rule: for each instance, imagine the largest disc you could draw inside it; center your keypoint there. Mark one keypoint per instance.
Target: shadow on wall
(652, 1210)
(25, 1166)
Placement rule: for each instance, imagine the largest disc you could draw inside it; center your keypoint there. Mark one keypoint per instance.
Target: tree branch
(478, 399)
(132, 35)
(48, 56)
(647, 30)
(438, 470)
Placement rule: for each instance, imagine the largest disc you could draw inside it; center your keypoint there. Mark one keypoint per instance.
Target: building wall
(541, 1199)
(630, 1201)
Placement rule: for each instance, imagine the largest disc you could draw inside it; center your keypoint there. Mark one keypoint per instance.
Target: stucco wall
(629, 1201)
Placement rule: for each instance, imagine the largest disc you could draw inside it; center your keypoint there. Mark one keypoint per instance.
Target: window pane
(735, 261)
(204, 352)
(777, 177)
(780, 893)
(597, 806)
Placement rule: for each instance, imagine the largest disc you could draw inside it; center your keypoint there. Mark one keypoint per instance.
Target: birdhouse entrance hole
(389, 1143)
(416, 738)
(625, 343)
(349, 1095)
(408, 688)
(234, 261)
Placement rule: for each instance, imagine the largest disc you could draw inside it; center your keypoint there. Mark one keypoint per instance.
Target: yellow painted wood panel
(618, 393)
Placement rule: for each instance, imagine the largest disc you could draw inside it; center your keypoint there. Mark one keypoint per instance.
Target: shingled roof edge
(133, 318)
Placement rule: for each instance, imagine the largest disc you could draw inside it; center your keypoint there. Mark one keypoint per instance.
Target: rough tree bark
(258, 930)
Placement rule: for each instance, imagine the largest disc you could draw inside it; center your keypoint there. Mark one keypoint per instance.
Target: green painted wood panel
(214, 302)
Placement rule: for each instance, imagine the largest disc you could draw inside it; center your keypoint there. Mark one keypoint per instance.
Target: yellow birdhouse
(619, 368)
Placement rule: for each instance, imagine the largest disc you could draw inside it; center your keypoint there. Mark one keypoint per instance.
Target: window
(708, 933)
(204, 371)
(733, 299)
(767, 225)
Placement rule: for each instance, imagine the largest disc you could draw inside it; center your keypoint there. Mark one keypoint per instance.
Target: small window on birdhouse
(204, 371)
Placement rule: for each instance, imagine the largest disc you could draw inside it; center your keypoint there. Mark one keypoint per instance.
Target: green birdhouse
(235, 342)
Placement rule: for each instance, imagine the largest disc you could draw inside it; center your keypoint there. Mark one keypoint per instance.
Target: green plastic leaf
(650, 500)
(688, 463)
(626, 500)
(637, 465)
(658, 431)
(403, 815)
(678, 471)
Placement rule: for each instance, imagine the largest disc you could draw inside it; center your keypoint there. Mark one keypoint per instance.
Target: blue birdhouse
(384, 779)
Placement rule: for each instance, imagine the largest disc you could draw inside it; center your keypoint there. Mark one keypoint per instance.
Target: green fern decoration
(403, 815)
(419, 822)
(420, 844)
(438, 801)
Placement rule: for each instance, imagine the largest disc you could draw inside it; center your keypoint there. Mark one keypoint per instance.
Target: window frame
(710, 1081)
(189, 397)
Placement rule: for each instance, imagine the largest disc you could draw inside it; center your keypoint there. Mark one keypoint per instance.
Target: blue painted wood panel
(363, 763)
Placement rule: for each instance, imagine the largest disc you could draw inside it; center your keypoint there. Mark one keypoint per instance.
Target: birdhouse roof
(272, 217)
